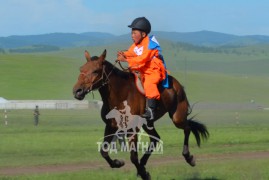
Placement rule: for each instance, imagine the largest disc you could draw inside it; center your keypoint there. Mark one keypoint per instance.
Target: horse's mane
(117, 71)
(94, 58)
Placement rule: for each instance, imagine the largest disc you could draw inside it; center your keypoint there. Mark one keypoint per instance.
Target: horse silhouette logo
(126, 121)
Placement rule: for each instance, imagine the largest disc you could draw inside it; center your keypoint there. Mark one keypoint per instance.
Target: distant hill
(201, 38)
(209, 38)
(56, 39)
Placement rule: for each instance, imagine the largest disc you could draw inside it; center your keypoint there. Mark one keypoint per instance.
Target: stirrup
(149, 114)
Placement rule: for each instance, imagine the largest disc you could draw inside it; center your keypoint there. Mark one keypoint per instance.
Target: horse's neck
(116, 88)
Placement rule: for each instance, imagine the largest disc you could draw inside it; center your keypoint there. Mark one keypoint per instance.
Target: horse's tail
(199, 130)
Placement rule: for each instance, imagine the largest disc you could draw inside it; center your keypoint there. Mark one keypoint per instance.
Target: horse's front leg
(108, 136)
(141, 171)
(154, 139)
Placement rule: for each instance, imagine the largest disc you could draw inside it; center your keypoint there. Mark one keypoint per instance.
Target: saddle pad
(138, 82)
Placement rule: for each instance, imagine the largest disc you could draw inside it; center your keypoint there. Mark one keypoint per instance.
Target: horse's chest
(113, 123)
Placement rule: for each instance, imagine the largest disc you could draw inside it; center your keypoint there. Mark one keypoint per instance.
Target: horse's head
(91, 75)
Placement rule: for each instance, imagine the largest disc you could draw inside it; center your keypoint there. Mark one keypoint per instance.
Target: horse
(116, 86)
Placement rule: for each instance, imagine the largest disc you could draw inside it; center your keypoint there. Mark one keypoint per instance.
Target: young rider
(144, 55)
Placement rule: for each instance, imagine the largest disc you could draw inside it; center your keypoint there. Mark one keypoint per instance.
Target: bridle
(104, 78)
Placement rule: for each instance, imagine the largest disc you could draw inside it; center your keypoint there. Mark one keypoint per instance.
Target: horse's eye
(96, 72)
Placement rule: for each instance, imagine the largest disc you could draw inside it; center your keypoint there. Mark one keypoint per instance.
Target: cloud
(31, 16)
(46, 16)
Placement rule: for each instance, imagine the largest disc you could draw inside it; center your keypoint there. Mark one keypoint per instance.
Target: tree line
(35, 48)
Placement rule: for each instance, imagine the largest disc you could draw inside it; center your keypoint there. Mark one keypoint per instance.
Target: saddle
(138, 82)
(140, 87)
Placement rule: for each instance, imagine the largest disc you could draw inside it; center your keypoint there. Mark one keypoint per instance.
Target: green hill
(200, 38)
(238, 75)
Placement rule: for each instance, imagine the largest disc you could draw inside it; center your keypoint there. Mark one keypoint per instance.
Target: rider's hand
(121, 57)
(120, 53)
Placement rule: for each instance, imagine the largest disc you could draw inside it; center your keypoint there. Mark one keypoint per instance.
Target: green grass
(59, 135)
(70, 136)
(213, 87)
(52, 75)
(36, 77)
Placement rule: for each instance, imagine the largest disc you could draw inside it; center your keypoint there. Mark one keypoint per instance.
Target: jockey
(144, 55)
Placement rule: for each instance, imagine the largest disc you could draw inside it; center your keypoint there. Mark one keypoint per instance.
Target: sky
(31, 17)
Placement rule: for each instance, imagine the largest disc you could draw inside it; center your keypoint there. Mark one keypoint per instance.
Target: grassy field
(224, 83)
(69, 138)
(52, 75)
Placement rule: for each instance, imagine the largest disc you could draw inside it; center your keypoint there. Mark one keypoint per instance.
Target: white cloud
(46, 16)
(41, 16)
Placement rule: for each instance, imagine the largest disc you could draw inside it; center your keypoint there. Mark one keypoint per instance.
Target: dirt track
(8, 171)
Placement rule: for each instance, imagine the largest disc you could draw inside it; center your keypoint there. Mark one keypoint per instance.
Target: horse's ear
(103, 55)
(87, 55)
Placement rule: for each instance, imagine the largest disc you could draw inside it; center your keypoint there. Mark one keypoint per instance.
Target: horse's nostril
(79, 91)
(79, 94)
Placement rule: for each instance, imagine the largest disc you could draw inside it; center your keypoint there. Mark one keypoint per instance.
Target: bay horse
(116, 86)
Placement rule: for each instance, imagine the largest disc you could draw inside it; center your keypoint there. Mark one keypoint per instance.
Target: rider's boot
(150, 110)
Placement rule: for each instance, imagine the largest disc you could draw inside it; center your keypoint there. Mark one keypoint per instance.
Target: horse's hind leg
(179, 117)
(108, 136)
(186, 153)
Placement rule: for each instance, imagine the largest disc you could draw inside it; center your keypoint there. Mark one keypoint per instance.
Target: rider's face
(137, 36)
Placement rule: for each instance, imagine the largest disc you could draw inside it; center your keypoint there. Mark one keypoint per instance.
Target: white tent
(3, 103)
(3, 100)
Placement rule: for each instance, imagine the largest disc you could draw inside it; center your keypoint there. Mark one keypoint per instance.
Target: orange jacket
(143, 59)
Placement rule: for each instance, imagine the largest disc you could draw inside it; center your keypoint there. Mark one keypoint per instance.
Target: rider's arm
(139, 61)
(142, 55)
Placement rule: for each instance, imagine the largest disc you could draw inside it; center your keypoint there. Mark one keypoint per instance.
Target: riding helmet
(141, 23)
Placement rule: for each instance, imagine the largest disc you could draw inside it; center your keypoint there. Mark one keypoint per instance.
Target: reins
(124, 69)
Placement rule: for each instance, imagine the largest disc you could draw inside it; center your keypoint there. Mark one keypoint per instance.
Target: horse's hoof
(189, 159)
(117, 163)
(146, 176)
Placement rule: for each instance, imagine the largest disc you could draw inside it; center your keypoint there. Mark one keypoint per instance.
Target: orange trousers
(150, 82)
